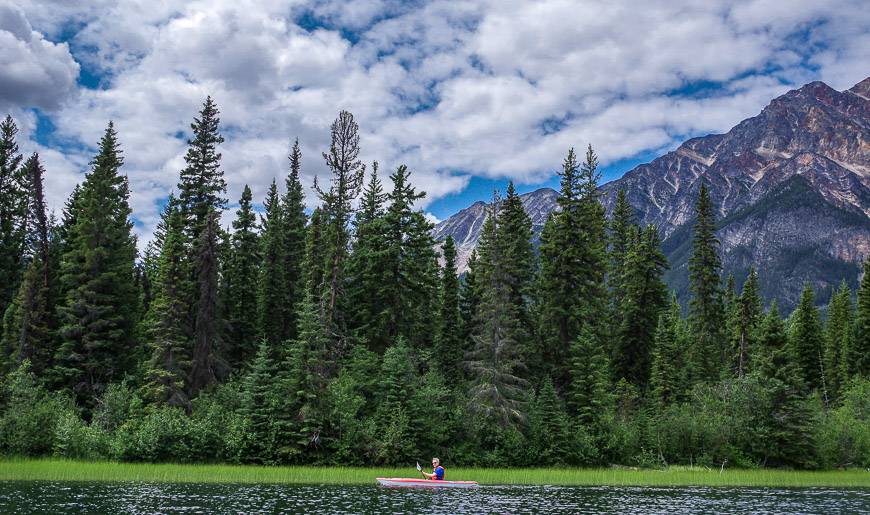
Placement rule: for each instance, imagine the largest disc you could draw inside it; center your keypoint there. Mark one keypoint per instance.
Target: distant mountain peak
(791, 184)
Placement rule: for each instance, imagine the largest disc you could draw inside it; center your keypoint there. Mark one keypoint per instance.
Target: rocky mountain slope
(792, 186)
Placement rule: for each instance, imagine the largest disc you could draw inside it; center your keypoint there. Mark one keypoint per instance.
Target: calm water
(62, 497)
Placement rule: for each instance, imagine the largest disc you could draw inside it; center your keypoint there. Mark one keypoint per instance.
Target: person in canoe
(437, 471)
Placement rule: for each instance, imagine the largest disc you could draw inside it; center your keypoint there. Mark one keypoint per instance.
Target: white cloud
(33, 71)
(452, 88)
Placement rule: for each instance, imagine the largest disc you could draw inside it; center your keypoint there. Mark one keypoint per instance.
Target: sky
(468, 93)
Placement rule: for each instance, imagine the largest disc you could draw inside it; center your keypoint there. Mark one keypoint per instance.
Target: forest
(343, 335)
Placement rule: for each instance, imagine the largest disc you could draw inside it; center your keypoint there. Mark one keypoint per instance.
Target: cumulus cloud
(33, 71)
(453, 88)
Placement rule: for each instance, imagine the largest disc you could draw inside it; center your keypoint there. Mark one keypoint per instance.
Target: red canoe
(404, 482)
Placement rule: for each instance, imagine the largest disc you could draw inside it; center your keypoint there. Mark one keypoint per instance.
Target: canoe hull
(403, 482)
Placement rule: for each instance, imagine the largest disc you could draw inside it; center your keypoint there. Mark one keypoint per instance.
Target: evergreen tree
(573, 262)
(314, 367)
(347, 179)
(497, 391)
(668, 376)
(368, 268)
(12, 213)
(293, 204)
(469, 300)
(706, 310)
(837, 334)
(30, 326)
(100, 308)
(749, 314)
(241, 273)
(807, 340)
(589, 397)
(550, 431)
(272, 291)
(858, 354)
(167, 332)
(643, 297)
(449, 342)
(206, 365)
(421, 268)
(260, 404)
(620, 235)
(515, 233)
(314, 255)
(201, 186)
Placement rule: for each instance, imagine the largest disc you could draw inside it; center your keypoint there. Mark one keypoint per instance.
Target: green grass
(59, 470)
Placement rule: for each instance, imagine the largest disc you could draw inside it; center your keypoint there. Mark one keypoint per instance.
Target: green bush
(843, 435)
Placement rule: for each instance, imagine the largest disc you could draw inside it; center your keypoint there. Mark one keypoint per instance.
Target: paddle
(419, 468)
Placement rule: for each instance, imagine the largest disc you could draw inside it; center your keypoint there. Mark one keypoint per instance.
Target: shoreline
(100, 471)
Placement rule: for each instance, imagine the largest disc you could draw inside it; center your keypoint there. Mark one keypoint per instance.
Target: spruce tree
(620, 234)
(421, 268)
(643, 297)
(838, 331)
(807, 340)
(345, 185)
(469, 300)
(314, 255)
(293, 204)
(449, 343)
(206, 364)
(260, 404)
(241, 274)
(100, 308)
(167, 332)
(368, 269)
(749, 315)
(30, 327)
(12, 213)
(589, 397)
(272, 286)
(201, 185)
(858, 354)
(706, 309)
(515, 233)
(668, 376)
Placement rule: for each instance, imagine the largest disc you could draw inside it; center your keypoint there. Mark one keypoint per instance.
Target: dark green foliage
(619, 239)
(206, 364)
(260, 404)
(858, 354)
(838, 331)
(272, 286)
(449, 341)
(747, 315)
(293, 204)
(642, 299)
(167, 333)
(707, 311)
(807, 340)
(100, 308)
(201, 185)
(668, 381)
(13, 208)
(241, 272)
(589, 397)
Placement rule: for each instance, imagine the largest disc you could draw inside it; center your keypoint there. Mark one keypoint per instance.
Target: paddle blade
(418, 466)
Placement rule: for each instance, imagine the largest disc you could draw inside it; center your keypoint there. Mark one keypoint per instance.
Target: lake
(86, 497)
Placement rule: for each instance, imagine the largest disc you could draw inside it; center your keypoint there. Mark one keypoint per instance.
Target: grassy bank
(56, 470)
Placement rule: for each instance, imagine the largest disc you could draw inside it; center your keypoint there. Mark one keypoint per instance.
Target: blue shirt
(439, 472)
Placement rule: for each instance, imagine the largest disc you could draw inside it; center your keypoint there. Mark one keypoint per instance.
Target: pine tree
(241, 273)
(668, 376)
(272, 286)
(347, 179)
(549, 426)
(858, 354)
(807, 339)
(515, 233)
(449, 343)
(837, 334)
(469, 299)
(31, 325)
(706, 310)
(260, 404)
(100, 308)
(643, 297)
(313, 348)
(314, 255)
(293, 204)
(12, 213)
(201, 186)
(167, 332)
(421, 268)
(206, 365)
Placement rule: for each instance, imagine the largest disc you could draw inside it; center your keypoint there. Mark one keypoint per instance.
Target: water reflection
(69, 497)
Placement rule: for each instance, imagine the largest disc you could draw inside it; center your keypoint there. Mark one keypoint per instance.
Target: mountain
(791, 185)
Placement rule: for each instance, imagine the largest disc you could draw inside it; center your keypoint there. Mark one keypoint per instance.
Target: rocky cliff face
(792, 186)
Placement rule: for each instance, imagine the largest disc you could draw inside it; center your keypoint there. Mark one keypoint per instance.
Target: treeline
(345, 336)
